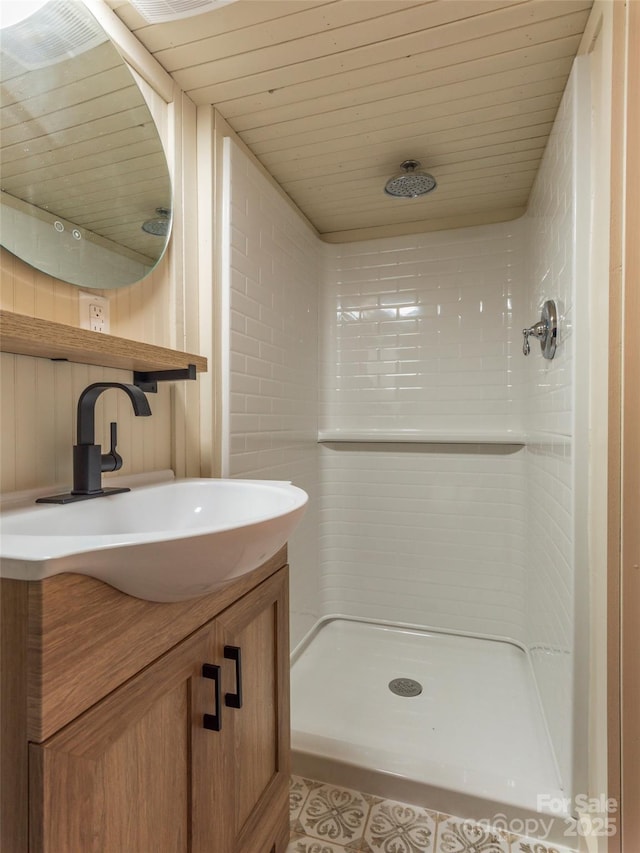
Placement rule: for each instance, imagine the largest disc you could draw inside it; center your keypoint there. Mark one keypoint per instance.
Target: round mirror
(85, 188)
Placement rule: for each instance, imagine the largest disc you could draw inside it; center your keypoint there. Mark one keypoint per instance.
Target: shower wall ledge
(412, 436)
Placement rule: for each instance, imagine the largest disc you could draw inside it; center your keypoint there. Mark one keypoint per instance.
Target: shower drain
(405, 687)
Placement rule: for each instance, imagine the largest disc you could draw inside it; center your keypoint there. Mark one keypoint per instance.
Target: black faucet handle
(112, 461)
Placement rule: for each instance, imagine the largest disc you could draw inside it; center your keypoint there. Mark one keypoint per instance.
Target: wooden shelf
(32, 336)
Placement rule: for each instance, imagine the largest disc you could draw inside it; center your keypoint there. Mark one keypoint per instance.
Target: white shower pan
(472, 743)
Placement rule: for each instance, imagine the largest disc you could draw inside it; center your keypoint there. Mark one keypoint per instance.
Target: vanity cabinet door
(119, 778)
(168, 763)
(258, 625)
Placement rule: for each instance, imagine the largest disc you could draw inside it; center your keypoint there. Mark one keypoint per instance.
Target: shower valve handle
(538, 330)
(545, 330)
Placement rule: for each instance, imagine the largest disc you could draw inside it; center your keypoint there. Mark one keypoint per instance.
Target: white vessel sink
(166, 542)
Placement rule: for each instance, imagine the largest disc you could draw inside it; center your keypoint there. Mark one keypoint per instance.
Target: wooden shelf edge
(23, 335)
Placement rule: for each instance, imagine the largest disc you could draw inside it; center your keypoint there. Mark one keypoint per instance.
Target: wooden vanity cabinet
(139, 772)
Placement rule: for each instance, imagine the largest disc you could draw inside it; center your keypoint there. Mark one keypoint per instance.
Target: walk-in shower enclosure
(445, 537)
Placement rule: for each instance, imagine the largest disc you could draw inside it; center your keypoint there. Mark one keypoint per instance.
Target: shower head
(158, 226)
(411, 184)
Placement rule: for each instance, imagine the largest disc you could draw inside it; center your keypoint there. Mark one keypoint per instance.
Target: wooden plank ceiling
(332, 95)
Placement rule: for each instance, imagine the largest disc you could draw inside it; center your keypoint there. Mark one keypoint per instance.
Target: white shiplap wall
(38, 422)
(274, 269)
(39, 397)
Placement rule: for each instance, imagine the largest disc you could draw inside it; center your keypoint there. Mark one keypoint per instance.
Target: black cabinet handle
(234, 700)
(213, 721)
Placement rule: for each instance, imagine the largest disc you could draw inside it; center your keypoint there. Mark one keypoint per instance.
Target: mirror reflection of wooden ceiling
(333, 96)
(79, 142)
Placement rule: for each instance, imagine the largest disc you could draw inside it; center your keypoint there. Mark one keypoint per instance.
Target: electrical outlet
(94, 312)
(97, 320)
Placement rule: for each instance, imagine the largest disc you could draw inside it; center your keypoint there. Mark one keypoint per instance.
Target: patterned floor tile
(399, 828)
(298, 793)
(529, 845)
(328, 819)
(456, 835)
(335, 816)
(311, 845)
(299, 790)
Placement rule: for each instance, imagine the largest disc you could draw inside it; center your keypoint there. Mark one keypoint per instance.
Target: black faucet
(88, 459)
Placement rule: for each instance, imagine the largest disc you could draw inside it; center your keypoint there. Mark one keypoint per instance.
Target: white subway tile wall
(428, 535)
(422, 332)
(551, 221)
(276, 263)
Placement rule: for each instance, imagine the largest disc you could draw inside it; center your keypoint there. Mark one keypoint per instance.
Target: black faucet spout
(87, 407)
